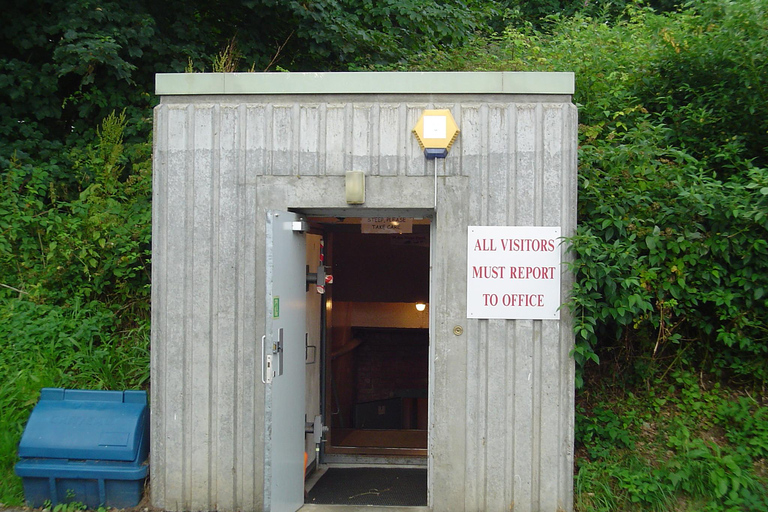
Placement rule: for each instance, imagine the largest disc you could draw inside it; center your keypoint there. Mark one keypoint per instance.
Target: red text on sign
(529, 300)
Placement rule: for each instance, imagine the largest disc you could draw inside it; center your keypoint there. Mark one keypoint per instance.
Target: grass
(683, 444)
(52, 346)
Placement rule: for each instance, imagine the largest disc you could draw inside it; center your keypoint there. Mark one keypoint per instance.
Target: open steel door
(283, 355)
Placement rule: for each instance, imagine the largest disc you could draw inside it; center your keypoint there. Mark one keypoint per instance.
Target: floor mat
(404, 487)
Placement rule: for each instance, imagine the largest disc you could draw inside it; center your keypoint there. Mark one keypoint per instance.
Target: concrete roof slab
(168, 84)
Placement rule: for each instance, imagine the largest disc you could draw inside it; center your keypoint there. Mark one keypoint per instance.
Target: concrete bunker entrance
(233, 152)
(374, 346)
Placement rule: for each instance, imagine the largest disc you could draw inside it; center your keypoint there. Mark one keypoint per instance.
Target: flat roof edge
(389, 82)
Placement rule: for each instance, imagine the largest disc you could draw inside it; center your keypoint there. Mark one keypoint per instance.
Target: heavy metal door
(283, 361)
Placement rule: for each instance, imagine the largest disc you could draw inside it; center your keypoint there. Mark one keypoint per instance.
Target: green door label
(275, 307)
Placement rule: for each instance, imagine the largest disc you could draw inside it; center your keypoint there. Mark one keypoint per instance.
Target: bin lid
(85, 425)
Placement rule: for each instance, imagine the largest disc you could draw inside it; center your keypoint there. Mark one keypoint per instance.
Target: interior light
(420, 306)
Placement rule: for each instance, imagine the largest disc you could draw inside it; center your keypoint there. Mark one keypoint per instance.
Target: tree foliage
(64, 65)
(671, 248)
(710, 84)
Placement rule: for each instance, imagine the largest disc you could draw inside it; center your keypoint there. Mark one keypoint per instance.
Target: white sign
(435, 127)
(513, 272)
(385, 225)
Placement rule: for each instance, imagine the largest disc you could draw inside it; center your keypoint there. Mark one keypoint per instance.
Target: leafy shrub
(670, 257)
(603, 431)
(746, 425)
(95, 247)
(671, 252)
(709, 83)
(74, 300)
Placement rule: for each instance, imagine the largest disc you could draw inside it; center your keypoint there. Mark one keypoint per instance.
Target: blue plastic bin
(85, 446)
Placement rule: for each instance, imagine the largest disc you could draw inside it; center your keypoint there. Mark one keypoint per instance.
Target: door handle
(273, 362)
(263, 341)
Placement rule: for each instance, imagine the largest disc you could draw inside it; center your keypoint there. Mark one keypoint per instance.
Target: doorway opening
(374, 382)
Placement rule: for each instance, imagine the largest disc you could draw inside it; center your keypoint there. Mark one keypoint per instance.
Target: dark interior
(377, 342)
(380, 267)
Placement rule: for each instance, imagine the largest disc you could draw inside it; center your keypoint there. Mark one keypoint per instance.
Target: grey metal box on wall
(230, 147)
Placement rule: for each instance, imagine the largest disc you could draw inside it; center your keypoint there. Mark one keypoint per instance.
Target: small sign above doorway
(386, 225)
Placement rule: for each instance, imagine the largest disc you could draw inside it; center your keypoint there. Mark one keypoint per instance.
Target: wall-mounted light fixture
(355, 187)
(420, 306)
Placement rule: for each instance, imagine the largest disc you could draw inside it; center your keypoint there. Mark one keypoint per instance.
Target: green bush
(710, 84)
(74, 300)
(746, 425)
(93, 247)
(671, 251)
(670, 259)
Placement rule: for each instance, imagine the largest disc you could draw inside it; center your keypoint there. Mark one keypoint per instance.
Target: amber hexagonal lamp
(436, 131)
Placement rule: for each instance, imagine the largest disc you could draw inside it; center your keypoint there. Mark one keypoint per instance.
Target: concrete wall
(501, 411)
